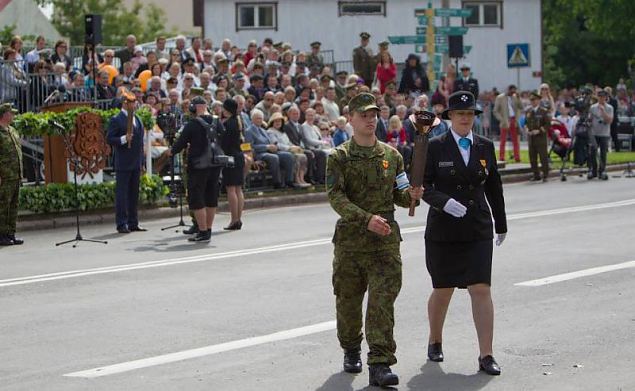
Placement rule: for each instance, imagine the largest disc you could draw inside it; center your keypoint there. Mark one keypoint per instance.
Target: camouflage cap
(196, 91)
(6, 107)
(362, 102)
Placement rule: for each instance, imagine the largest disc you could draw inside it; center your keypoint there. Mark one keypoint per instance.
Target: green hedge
(59, 197)
(37, 124)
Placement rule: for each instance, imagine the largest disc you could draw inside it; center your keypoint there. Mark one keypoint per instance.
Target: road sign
(453, 12)
(422, 20)
(406, 39)
(420, 48)
(422, 30)
(444, 48)
(517, 55)
(451, 30)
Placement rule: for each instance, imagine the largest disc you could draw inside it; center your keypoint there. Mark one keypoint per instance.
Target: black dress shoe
(235, 226)
(5, 240)
(192, 230)
(435, 352)
(534, 178)
(16, 241)
(590, 175)
(488, 365)
(137, 228)
(381, 375)
(352, 361)
(201, 236)
(604, 177)
(123, 230)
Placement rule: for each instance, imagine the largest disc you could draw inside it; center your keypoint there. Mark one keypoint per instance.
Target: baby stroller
(561, 145)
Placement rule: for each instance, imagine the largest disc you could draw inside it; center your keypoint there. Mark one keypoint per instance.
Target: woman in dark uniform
(461, 179)
(233, 178)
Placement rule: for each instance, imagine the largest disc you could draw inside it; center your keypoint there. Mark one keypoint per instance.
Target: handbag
(213, 155)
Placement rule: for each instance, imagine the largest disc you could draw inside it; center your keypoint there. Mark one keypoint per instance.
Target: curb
(107, 216)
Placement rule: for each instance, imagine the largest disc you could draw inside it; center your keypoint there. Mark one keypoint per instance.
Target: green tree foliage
(146, 22)
(587, 41)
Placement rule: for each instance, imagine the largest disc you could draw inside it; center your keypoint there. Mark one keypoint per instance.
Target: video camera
(582, 102)
(167, 121)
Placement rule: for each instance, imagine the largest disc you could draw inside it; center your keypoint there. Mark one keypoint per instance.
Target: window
(352, 8)
(484, 14)
(256, 16)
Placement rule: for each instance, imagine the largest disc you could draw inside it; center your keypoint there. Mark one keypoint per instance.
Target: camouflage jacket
(10, 154)
(361, 182)
(538, 119)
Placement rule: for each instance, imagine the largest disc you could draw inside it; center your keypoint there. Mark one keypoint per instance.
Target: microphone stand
(178, 189)
(72, 159)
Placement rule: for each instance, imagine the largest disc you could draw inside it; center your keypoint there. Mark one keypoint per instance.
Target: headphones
(192, 108)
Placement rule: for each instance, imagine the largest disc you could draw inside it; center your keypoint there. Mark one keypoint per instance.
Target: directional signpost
(431, 39)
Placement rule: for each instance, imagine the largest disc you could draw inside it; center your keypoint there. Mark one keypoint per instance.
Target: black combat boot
(16, 241)
(5, 240)
(201, 236)
(352, 361)
(192, 230)
(381, 375)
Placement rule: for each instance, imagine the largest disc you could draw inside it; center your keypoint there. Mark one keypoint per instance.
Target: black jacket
(194, 135)
(409, 75)
(474, 186)
(293, 133)
(470, 84)
(232, 137)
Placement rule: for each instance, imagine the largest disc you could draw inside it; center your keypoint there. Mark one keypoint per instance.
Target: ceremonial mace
(423, 122)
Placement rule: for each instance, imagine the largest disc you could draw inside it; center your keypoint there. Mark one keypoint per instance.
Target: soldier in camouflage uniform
(537, 124)
(10, 176)
(365, 179)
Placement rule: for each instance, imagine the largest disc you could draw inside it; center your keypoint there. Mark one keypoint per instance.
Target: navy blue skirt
(459, 264)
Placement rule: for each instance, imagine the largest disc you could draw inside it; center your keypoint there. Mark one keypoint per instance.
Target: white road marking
(579, 274)
(268, 249)
(204, 351)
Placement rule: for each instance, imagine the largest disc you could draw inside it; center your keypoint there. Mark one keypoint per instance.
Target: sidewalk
(511, 173)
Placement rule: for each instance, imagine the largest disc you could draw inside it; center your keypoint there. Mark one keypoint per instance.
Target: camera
(167, 123)
(224, 160)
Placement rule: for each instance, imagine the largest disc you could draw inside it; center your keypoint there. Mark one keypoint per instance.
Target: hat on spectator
(222, 60)
(197, 91)
(277, 45)
(461, 100)
(285, 64)
(188, 61)
(325, 77)
(231, 106)
(466, 65)
(316, 44)
(286, 106)
(341, 73)
(268, 40)
(138, 49)
(255, 78)
(364, 35)
(384, 44)
(198, 100)
(534, 95)
(276, 116)
(7, 107)
(238, 76)
(362, 102)
(603, 93)
(286, 46)
(163, 61)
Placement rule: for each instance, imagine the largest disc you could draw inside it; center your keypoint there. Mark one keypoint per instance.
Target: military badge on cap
(363, 102)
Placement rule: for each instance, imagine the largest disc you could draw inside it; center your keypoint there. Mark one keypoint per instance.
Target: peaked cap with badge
(461, 100)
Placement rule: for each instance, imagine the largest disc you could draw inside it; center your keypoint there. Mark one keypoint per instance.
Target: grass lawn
(612, 158)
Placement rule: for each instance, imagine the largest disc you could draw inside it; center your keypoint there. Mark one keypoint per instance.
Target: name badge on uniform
(446, 164)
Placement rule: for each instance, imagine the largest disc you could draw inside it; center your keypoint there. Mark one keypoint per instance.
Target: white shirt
(510, 107)
(465, 154)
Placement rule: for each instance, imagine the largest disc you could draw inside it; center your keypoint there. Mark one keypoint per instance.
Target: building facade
(493, 25)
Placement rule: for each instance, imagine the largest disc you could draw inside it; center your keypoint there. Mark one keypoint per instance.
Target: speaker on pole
(93, 29)
(455, 46)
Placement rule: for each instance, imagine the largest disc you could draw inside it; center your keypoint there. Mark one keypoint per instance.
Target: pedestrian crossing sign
(517, 55)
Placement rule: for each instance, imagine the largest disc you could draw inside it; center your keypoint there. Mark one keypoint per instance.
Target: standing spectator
(386, 70)
(226, 49)
(507, 108)
(601, 118)
(195, 51)
(537, 122)
(34, 55)
(160, 50)
(41, 84)
(233, 177)
(16, 44)
(413, 77)
(181, 52)
(546, 99)
(315, 58)
(268, 152)
(128, 157)
(125, 54)
(381, 132)
(466, 82)
(13, 79)
(252, 52)
(10, 176)
(363, 61)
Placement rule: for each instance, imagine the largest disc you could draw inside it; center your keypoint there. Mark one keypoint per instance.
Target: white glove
(454, 208)
(500, 238)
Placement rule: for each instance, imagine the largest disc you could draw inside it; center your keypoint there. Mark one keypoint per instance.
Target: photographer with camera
(601, 118)
(200, 135)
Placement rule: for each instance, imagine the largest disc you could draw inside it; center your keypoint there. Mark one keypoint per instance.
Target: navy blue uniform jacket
(474, 186)
(126, 159)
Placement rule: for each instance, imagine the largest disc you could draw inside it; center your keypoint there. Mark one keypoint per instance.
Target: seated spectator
(311, 135)
(78, 91)
(340, 135)
(138, 60)
(278, 137)
(381, 130)
(104, 89)
(327, 137)
(128, 72)
(154, 87)
(41, 83)
(276, 160)
(396, 137)
(265, 105)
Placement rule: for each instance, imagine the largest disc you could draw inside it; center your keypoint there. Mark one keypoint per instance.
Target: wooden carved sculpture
(87, 146)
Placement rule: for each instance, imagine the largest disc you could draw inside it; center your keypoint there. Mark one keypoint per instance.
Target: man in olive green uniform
(364, 61)
(315, 58)
(365, 179)
(10, 176)
(351, 91)
(537, 124)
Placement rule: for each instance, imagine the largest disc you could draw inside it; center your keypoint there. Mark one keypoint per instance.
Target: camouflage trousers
(379, 273)
(9, 193)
